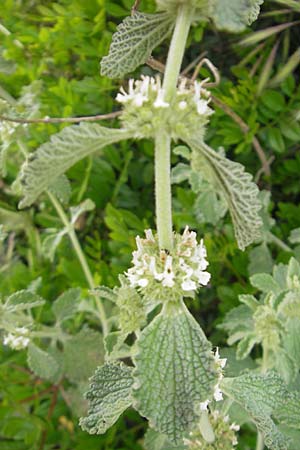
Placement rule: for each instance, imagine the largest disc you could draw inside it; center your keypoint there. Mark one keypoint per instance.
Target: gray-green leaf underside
(266, 398)
(134, 41)
(63, 150)
(174, 373)
(237, 187)
(234, 15)
(109, 396)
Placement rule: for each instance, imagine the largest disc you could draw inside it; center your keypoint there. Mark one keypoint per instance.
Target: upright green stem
(163, 194)
(80, 256)
(162, 138)
(260, 445)
(176, 51)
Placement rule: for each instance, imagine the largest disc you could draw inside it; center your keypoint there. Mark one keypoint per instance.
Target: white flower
(182, 105)
(218, 396)
(204, 405)
(17, 340)
(168, 275)
(220, 361)
(142, 282)
(159, 102)
(188, 285)
(202, 107)
(203, 277)
(149, 235)
(234, 427)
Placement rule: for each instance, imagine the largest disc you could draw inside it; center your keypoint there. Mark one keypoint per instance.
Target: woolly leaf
(157, 441)
(51, 242)
(266, 397)
(134, 41)
(63, 150)
(109, 396)
(236, 185)
(41, 362)
(66, 305)
(265, 283)
(291, 340)
(61, 188)
(174, 372)
(82, 354)
(235, 15)
(23, 300)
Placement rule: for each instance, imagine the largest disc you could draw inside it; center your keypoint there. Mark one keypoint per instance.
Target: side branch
(62, 119)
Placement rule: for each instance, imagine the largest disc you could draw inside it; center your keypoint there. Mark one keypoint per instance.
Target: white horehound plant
(171, 376)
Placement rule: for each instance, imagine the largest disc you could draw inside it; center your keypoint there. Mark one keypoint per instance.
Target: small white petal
(218, 396)
(234, 427)
(149, 235)
(203, 278)
(204, 405)
(143, 282)
(202, 107)
(182, 105)
(188, 285)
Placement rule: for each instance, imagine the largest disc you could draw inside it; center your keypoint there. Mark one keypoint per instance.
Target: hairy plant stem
(80, 256)
(163, 189)
(176, 51)
(260, 445)
(163, 138)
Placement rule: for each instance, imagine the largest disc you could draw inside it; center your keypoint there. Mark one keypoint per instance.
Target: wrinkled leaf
(66, 305)
(63, 150)
(237, 187)
(265, 398)
(109, 396)
(23, 300)
(134, 41)
(235, 15)
(174, 372)
(41, 362)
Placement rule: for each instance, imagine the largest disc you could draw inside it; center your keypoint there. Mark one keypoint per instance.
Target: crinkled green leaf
(265, 283)
(83, 352)
(236, 185)
(63, 150)
(66, 305)
(245, 346)
(109, 396)
(41, 362)
(51, 242)
(157, 441)
(234, 15)
(174, 372)
(134, 41)
(23, 300)
(266, 398)
(291, 339)
(61, 188)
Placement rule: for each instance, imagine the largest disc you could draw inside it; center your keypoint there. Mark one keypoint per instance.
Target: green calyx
(159, 274)
(145, 108)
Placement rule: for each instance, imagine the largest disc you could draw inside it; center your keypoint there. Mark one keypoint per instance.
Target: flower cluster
(218, 396)
(224, 431)
(17, 340)
(181, 271)
(145, 107)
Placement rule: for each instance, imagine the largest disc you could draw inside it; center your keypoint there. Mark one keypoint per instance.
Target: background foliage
(55, 47)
